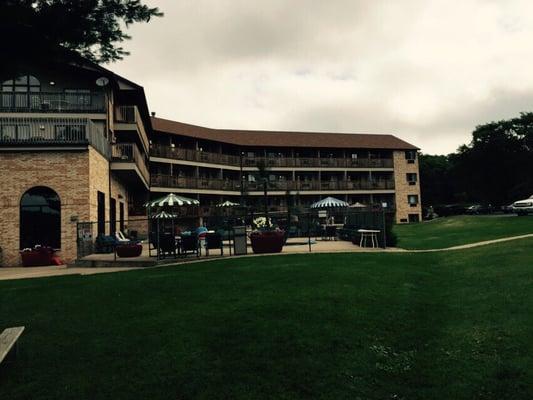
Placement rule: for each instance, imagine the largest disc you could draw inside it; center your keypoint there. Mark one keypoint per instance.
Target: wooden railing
(129, 114)
(159, 180)
(177, 153)
(51, 131)
(51, 102)
(130, 153)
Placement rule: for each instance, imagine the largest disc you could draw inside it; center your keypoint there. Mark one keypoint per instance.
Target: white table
(366, 234)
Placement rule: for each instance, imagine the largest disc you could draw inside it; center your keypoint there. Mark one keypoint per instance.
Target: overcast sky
(427, 71)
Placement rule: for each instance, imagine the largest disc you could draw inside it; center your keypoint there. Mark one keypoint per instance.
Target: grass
(448, 325)
(452, 231)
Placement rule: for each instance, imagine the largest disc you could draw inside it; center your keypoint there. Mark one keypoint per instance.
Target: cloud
(427, 71)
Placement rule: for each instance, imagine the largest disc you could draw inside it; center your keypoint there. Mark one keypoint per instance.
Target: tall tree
(92, 29)
(495, 167)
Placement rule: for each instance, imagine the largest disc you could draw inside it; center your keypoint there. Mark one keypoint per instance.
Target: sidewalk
(294, 247)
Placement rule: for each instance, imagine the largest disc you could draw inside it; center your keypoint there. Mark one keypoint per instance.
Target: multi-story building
(77, 144)
(74, 141)
(218, 164)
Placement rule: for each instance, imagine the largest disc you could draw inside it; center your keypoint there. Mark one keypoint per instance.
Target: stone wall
(401, 168)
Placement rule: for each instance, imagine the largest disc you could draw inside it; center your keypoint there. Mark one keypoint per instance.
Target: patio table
(366, 234)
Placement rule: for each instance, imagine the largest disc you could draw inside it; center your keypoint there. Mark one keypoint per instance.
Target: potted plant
(266, 238)
(38, 256)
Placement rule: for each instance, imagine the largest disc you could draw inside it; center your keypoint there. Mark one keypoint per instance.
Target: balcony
(42, 102)
(316, 162)
(128, 118)
(176, 153)
(195, 183)
(127, 160)
(52, 132)
(190, 183)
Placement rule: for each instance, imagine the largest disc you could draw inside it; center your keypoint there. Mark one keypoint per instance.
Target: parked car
(449, 209)
(523, 207)
(508, 209)
(477, 209)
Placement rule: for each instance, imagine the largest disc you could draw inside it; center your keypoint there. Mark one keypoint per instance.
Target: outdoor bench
(8, 339)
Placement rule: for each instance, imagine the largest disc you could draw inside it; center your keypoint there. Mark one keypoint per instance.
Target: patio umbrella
(357, 205)
(329, 202)
(228, 203)
(164, 215)
(172, 199)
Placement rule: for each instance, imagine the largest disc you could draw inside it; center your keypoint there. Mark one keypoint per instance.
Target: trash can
(239, 240)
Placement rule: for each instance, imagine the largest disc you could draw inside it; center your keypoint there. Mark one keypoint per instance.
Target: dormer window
(22, 84)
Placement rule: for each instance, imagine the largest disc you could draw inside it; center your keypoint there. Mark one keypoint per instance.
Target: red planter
(129, 250)
(37, 257)
(267, 242)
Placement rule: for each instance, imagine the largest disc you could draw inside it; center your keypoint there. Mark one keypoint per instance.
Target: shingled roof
(282, 138)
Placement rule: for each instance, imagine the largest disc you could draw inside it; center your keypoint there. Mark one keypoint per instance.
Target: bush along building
(77, 144)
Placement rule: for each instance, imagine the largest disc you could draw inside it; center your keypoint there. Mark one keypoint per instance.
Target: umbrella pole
(149, 230)
(158, 241)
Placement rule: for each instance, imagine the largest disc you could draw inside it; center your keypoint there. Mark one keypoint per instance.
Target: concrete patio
(103, 263)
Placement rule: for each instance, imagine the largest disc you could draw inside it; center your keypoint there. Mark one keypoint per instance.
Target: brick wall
(99, 182)
(75, 176)
(403, 189)
(67, 173)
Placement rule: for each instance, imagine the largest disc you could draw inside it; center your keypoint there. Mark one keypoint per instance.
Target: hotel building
(77, 144)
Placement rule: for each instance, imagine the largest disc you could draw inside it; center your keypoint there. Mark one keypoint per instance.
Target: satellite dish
(103, 81)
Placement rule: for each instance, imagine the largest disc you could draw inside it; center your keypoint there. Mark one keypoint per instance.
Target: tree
(495, 167)
(92, 29)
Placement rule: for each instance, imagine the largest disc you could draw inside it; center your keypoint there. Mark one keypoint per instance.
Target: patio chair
(121, 238)
(167, 245)
(213, 241)
(190, 244)
(105, 244)
(331, 232)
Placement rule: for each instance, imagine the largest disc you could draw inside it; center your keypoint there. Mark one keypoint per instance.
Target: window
(17, 92)
(412, 199)
(79, 97)
(121, 216)
(112, 216)
(414, 218)
(14, 132)
(40, 218)
(411, 178)
(410, 156)
(69, 132)
(101, 213)
(22, 84)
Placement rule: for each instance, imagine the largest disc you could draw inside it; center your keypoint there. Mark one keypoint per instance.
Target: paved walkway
(297, 247)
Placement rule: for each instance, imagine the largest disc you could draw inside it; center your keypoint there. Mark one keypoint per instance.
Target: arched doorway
(40, 218)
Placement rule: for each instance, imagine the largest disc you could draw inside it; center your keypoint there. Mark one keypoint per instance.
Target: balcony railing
(52, 102)
(159, 180)
(176, 153)
(130, 115)
(316, 162)
(129, 153)
(50, 131)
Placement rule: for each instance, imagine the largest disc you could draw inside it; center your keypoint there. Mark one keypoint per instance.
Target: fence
(309, 224)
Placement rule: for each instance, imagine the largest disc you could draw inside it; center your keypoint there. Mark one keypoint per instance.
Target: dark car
(477, 209)
(449, 209)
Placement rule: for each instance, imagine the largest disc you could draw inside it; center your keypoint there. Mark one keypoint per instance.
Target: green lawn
(452, 231)
(448, 325)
